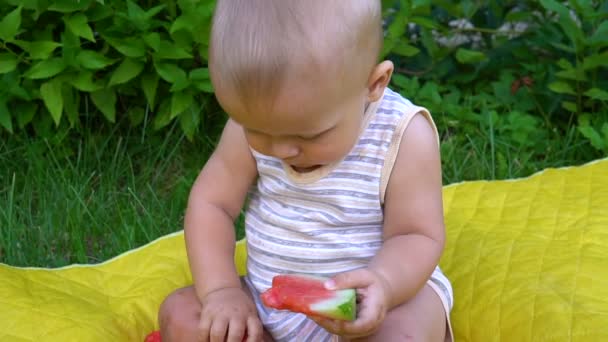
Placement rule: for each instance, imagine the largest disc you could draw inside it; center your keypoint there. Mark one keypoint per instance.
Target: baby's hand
(372, 303)
(229, 315)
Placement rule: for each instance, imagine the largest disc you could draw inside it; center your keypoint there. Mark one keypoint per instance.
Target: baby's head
(293, 71)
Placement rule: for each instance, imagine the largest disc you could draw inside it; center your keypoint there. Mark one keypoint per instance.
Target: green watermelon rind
(342, 307)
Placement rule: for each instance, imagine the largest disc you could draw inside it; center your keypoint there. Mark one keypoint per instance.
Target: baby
(342, 178)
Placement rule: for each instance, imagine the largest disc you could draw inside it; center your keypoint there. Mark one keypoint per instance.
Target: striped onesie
(326, 221)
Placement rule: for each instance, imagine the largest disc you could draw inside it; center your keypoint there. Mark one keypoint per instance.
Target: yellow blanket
(528, 260)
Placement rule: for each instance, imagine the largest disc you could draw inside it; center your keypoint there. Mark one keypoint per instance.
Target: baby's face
(307, 126)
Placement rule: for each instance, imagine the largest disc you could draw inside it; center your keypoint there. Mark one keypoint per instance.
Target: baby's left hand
(372, 303)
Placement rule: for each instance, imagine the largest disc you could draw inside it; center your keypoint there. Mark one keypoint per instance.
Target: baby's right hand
(229, 315)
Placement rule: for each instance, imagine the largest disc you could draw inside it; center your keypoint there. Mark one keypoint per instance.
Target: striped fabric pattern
(321, 225)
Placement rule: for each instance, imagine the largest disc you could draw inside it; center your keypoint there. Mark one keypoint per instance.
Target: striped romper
(326, 221)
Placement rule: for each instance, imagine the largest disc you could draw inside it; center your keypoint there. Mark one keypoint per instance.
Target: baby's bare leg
(422, 318)
(180, 314)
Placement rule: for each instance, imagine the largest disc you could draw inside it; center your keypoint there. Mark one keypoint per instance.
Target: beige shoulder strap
(393, 150)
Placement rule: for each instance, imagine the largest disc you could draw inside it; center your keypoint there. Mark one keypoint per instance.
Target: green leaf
(83, 81)
(153, 40)
(180, 85)
(190, 120)
(9, 25)
(180, 101)
(601, 34)
(568, 25)
(130, 47)
(5, 116)
(563, 47)
(126, 71)
(200, 74)
(163, 115)
(466, 56)
(70, 104)
(594, 136)
(51, 96)
(136, 15)
(70, 48)
(424, 22)
(561, 88)
(134, 11)
(10, 83)
(167, 50)
(46, 68)
(201, 80)
(576, 74)
(554, 6)
(26, 111)
(468, 8)
(16, 90)
(154, 11)
(597, 94)
(183, 22)
(68, 6)
(8, 63)
(430, 92)
(149, 83)
(105, 101)
(78, 24)
(405, 50)
(41, 49)
(564, 64)
(570, 106)
(136, 115)
(93, 60)
(170, 72)
(596, 60)
(584, 119)
(203, 51)
(98, 13)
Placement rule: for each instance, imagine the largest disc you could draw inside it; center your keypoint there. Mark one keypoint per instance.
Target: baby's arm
(413, 236)
(215, 202)
(414, 232)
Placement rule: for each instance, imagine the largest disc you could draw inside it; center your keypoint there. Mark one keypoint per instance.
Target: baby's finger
(350, 280)
(333, 326)
(204, 326)
(360, 327)
(218, 330)
(236, 331)
(367, 322)
(254, 331)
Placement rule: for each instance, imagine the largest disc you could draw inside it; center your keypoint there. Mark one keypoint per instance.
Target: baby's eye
(252, 132)
(310, 137)
(314, 136)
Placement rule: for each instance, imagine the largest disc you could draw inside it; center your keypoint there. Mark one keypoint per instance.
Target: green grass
(105, 194)
(85, 200)
(482, 154)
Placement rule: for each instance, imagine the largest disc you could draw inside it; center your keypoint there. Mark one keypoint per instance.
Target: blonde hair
(256, 44)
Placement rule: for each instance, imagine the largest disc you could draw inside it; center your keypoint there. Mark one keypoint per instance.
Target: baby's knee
(178, 313)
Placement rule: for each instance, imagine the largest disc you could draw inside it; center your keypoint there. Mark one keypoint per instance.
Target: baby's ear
(378, 80)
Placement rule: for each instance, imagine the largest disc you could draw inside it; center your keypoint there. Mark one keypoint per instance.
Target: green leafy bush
(61, 58)
(530, 69)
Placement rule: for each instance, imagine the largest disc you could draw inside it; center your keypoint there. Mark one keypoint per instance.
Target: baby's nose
(285, 150)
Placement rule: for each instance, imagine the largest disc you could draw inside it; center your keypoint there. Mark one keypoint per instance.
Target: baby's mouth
(305, 169)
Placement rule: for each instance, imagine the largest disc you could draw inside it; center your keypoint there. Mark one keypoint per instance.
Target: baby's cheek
(257, 144)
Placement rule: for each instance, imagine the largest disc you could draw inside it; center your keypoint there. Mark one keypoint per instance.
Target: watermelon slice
(153, 337)
(308, 295)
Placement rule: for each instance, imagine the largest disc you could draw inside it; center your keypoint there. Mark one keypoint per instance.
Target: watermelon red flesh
(306, 294)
